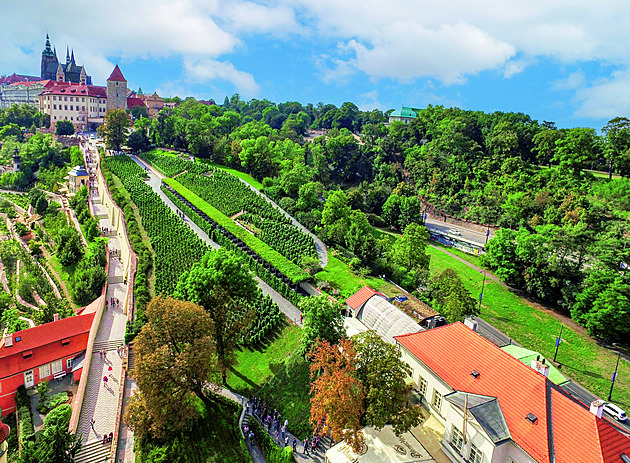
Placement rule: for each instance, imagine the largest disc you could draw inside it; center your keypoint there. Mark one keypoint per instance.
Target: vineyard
(224, 232)
(171, 165)
(21, 200)
(232, 197)
(176, 246)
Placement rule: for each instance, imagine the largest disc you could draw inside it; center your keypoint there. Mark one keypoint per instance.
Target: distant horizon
(553, 63)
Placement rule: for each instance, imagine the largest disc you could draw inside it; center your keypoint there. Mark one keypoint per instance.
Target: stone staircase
(93, 452)
(110, 344)
(131, 361)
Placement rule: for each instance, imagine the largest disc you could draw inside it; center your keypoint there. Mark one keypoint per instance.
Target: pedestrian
(286, 423)
(277, 436)
(104, 353)
(105, 381)
(301, 318)
(305, 449)
(294, 442)
(251, 437)
(284, 430)
(286, 440)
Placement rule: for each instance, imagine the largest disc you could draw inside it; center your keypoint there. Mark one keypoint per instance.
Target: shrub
(270, 450)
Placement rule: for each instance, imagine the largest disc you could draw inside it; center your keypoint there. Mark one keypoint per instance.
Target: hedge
(293, 272)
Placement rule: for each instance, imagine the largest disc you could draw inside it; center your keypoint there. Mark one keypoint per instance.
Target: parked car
(452, 231)
(616, 412)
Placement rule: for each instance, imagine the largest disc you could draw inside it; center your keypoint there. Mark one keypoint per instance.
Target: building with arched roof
(386, 319)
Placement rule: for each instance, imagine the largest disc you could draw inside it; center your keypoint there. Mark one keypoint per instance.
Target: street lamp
(483, 284)
(614, 376)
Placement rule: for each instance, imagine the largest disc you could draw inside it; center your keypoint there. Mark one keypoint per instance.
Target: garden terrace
(170, 164)
(176, 246)
(276, 263)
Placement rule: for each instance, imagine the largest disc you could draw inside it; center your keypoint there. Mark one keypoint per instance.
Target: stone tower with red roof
(116, 90)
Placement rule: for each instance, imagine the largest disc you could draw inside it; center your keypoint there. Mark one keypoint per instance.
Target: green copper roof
(526, 356)
(405, 112)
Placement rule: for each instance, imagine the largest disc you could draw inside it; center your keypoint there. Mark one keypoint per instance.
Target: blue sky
(561, 60)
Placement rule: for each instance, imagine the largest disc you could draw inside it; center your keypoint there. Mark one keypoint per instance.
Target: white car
(452, 231)
(616, 412)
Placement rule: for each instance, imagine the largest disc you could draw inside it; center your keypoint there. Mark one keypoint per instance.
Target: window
(423, 387)
(56, 366)
(54, 106)
(65, 107)
(54, 98)
(65, 98)
(475, 455)
(437, 400)
(44, 371)
(71, 108)
(68, 364)
(83, 100)
(457, 440)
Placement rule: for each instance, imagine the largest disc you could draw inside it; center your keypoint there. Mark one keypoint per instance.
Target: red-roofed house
(5, 81)
(494, 408)
(358, 299)
(30, 356)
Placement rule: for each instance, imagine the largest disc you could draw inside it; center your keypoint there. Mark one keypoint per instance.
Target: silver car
(616, 412)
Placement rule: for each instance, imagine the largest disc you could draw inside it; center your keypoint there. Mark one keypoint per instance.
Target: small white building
(77, 178)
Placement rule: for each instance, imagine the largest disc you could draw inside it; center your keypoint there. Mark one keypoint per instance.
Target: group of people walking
(278, 429)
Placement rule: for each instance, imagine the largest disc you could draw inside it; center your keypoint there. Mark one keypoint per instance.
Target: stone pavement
(125, 452)
(155, 181)
(101, 398)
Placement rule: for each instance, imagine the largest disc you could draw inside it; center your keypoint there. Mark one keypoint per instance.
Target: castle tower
(116, 90)
(49, 62)
(83, 76)
(60, 76)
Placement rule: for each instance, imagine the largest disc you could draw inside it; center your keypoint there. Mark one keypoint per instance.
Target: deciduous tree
(323, 319)
(383, 375)
(223, 285)
(176, 362)
(338, 395)
(451, 298)
(115, 130)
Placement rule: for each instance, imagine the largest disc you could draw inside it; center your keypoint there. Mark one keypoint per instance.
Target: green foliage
(271, 451)
(450, 298)
(69, 247)
(115, 129)
(289, 391)
(64, 127)
(322, 319)
(46, 404)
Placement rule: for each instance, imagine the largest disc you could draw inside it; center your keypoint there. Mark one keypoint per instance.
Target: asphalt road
(442, 227)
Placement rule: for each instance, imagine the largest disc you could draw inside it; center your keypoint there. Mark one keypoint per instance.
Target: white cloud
(606, 98)
(203, 70)
(250, 17)
(369, 101)
(404, 51)
(573, 81)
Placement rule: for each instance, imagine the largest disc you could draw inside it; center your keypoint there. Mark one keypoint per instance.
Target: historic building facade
(52, 69)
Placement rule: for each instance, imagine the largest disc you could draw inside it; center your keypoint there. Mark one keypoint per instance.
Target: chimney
(597, 407)
(8, 340)
(56, 317)
(471, 323)
(540, 366)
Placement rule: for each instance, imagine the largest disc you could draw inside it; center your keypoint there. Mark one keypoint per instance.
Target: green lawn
(339, 275)
(581, 358)
(237, 173)
(255, 366)
(65, 273)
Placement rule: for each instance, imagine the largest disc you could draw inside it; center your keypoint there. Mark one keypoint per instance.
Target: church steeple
(47, 51)
(72, 58)
(67, 55)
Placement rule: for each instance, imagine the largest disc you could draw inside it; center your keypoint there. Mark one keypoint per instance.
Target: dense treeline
(568, 227)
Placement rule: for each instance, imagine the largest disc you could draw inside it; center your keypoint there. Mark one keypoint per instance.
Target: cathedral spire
(67, 55)
(72, 58)
(47, 50)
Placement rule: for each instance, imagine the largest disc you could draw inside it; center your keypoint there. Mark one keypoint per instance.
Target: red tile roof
(4, 432)
(30, 83)
(361, 297)
(65, 88)
(453, 351)
(117, 75)
(132, 102)
(17, 78)
(45, 343)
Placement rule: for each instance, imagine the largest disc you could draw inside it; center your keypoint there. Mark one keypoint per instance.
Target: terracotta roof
(29, 83)
(564, 427)
(361, 297)
(132, 102)
(46, 343)
(17, 78)
(4, 432)
(117, 75)
(65, 88)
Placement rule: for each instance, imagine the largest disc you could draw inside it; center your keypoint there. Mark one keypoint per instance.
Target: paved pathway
(155, 180)
(125, 452)
(101, 399)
